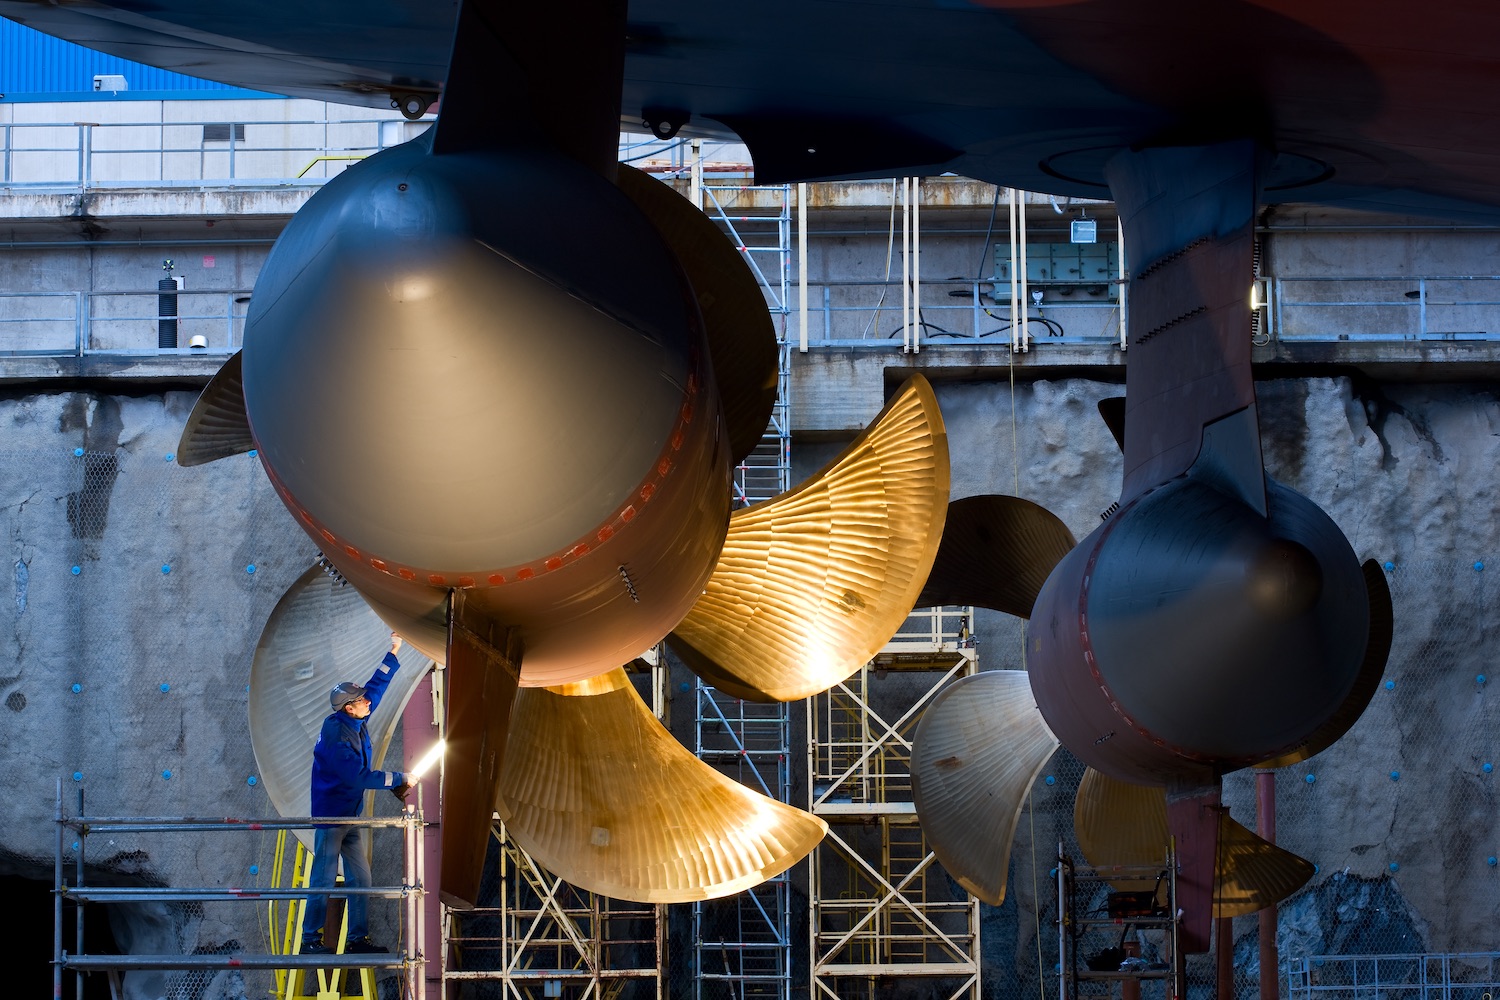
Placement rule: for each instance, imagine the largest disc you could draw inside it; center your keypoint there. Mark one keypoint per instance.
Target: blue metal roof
(33, 64)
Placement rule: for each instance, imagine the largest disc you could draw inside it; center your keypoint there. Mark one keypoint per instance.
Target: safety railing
(940, 628)
(145, 834)
(1385, 308)
(72, 324)
(852, 314)
(91, 155)
(868, 314)
(1458, 976)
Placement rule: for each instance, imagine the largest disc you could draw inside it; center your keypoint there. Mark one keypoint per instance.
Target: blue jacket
(341, 760)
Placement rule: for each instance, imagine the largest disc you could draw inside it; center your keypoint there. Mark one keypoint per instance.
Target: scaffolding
(758, 221)
(882, 910)
(742, 944)
(542, 937)
(197, 969)
(1116, 925)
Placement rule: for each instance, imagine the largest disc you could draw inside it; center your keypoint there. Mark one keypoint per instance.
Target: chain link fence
(1398, 816)
(139, 589)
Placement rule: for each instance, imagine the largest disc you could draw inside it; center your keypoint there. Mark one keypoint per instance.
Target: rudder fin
(218, 427)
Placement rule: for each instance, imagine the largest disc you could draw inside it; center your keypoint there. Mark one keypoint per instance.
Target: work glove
(400, 791)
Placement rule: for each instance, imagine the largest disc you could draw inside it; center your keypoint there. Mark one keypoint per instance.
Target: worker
(341, 774)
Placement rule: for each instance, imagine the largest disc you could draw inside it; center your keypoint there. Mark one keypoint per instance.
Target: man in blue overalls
(341, 774)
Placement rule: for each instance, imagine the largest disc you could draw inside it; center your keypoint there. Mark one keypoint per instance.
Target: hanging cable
(890, 250)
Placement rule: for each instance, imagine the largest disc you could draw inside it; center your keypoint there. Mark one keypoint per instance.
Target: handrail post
(1422, 308)
(57, 900)
(83, 836)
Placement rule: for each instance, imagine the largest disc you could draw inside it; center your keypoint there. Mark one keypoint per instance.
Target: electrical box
(110, 82)
(1085, 231)
(1077, 271)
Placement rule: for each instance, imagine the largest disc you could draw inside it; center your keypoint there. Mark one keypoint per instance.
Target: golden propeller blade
(599, 793)
(217, 427)
(1123, 824)
(1377, 650)
(741, 337)
(811, 584)
(976, 752)
(321, 632)
(997, 551)
(1253, 873)
(1119, 823)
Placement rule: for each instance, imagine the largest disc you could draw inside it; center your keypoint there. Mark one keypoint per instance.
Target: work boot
(314, 946)
(364, 946)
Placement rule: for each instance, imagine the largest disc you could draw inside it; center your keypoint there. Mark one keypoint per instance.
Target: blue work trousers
(329, 843)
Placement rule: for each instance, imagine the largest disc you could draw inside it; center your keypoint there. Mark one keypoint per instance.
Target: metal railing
(1385, 308)
(868, 314)
(73, 324)
(1457, 976)
(92, 155)
(83, 890)
(851, 314)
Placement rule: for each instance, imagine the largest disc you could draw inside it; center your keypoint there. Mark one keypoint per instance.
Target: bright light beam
(431, 757)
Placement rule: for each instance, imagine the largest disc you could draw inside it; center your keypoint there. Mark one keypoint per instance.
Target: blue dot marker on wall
(1393, 866)
(1311, 778)
(1479, 567)
(255, 869)
(250, 568)
(77, 688)
(1491, 861)
(170, 456)
(1051, 780)
(1389, 566)
(252, 452)
(165, 687)
(77, 452)
(1390, 685)
(77, 775)
(1395, 775)
(1487, 767)
(76, 570)
(166, 568)
(166, 776)
(251, 780)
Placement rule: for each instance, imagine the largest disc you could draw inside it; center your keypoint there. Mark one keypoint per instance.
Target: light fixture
(1258, 294)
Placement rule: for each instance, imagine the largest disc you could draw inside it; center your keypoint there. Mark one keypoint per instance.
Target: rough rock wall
(138, 592)
(1409, 472)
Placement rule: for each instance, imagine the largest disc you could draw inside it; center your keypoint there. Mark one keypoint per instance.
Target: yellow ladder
(286, 936)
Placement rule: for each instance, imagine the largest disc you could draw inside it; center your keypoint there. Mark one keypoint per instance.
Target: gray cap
(344, 693)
